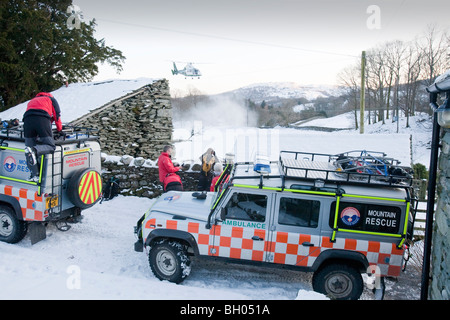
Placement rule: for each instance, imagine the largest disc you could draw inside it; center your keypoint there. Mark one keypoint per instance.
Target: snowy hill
(272, 92)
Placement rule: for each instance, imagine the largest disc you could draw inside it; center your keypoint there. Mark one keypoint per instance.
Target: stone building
(138, 124)
(135, 128)
(440, 256)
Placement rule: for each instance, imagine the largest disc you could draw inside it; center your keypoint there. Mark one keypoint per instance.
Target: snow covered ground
(95, 259)
(410, 145)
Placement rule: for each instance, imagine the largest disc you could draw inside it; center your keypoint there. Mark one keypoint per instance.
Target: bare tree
(350, 78)
(435, 56)
(411, 77)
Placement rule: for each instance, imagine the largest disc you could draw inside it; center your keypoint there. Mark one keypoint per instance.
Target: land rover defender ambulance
(69, 181)
(337, 216)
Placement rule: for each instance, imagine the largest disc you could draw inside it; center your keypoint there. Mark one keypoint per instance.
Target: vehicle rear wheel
(338, 281)
(12, 230)
(84, 188)
(169, 261)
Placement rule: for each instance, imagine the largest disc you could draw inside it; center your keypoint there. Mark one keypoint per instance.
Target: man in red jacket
(167, 171)
(41, 112)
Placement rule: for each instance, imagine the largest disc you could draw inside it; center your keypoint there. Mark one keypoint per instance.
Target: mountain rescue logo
(350, 216)
(9, 164)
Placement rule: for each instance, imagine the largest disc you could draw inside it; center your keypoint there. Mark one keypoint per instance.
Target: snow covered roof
(78, 99)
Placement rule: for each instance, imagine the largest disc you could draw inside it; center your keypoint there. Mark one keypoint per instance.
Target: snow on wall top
(78, 99)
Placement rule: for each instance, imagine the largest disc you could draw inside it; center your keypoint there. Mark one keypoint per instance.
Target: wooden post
(363, 92)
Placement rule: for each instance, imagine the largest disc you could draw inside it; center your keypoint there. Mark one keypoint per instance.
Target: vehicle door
(295, 229)
(242, 233)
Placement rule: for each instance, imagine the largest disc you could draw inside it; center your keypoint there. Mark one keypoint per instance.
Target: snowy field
(410, 145)
(95, 259)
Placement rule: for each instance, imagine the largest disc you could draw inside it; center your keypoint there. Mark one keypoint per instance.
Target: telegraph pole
(363, 92)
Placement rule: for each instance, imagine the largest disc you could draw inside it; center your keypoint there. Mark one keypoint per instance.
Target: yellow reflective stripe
(82, 191)
(245, 186)
(373, 198)
(323, 193)
(18, 180)
(218, 199)
(288, 190)
(333, 236)
(405, 227)
(13, 149)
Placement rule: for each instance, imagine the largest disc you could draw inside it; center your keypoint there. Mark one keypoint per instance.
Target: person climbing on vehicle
(41, 112)
(208, 160)
(167, 171)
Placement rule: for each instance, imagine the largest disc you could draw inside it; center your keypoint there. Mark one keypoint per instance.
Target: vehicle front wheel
(338, 281)
(169, 261)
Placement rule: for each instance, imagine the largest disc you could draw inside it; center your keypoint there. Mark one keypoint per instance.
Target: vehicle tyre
(12, 230)
(169, 261)
(84, 188)
(339, 282)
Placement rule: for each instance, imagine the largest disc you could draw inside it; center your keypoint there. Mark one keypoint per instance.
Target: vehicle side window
(299, 212)
(244, 206)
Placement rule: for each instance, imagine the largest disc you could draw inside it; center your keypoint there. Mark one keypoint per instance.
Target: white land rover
(334, 215)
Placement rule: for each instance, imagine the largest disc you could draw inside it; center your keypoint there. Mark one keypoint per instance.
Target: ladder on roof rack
(56, 182)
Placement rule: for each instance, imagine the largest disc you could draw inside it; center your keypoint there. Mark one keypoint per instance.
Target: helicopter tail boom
(175, 70)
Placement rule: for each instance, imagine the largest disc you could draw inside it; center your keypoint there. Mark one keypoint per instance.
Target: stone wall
(138, 124)
(136, 178)
(440, 259)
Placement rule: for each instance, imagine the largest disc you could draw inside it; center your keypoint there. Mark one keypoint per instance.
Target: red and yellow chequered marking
(90, 187)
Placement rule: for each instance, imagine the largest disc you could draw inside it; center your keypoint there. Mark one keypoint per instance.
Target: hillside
(274, 92)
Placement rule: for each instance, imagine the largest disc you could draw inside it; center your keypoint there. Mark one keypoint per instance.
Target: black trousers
(174, 186)
(35, 126)
(204, 181)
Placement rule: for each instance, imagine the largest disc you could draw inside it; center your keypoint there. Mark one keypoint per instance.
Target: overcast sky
(240, 42)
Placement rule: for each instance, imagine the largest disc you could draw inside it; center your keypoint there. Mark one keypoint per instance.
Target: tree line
(397, 73)
(41, 48)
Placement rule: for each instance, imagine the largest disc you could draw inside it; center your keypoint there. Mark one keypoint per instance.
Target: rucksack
(111, 189)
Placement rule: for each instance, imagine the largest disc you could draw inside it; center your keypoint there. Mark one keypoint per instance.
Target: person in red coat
(41, 112)
(167, 171)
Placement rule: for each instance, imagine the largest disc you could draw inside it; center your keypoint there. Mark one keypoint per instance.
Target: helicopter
(188, 71)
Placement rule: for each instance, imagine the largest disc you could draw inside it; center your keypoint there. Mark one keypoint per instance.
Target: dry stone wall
(138, 179)
(138, 124)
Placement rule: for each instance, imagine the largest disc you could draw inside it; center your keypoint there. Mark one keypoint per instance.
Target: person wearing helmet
(41, 112)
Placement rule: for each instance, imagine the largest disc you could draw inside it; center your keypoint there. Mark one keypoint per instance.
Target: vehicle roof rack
(358, 167)
(72, 134)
